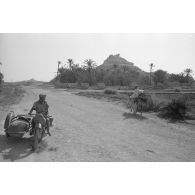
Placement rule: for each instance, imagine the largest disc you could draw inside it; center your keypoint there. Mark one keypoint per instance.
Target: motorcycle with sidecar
(35, 125)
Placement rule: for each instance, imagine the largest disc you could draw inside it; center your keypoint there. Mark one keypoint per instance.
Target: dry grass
(10, 94)
(123, 98)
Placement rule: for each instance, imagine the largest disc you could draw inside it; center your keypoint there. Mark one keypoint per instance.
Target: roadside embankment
(158, 98)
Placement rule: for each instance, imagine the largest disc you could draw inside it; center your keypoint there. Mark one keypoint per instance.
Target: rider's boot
(48, 133)
(47, 129)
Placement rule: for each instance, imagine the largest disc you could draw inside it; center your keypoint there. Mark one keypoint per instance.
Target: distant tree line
(183, 77)
(162, 77)
(119, 75)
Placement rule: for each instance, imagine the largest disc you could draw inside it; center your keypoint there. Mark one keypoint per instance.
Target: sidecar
(17, 126)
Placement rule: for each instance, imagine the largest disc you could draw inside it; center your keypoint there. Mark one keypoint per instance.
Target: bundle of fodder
(145, 100)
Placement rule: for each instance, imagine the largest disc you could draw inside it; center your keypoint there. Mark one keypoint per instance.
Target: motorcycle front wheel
(37, 137)
(35, 146)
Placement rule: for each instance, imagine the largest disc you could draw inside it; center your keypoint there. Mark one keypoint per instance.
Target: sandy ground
(87, 129)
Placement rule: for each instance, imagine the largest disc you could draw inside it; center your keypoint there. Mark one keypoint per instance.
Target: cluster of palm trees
(183, 77)
(160, 75)
(75, 69)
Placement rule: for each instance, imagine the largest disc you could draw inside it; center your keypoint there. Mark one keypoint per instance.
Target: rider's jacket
(41, 108)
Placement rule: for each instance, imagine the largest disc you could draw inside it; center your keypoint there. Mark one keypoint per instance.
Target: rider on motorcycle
(41, 107)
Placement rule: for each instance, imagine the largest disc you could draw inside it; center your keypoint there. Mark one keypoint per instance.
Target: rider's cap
(42, 96)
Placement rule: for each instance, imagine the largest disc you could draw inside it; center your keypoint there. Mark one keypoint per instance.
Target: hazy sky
(26, 56)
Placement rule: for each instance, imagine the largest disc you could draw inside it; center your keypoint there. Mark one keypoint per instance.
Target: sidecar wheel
(8, 119)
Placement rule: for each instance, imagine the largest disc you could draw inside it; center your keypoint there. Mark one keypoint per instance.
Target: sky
(26, 56)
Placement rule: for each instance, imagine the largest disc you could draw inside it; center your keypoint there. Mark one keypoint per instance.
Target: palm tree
(59, 62)
(75, 70)
(70, 63)
(188, 73)
(151, 69)
(89, 66)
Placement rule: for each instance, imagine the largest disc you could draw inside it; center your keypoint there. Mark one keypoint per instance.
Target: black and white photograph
(97, 97)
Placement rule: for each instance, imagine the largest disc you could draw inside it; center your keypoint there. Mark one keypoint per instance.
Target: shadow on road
(17, 148)
(133, 116)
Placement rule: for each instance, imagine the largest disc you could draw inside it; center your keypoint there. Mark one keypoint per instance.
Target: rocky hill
(117, 62)
(32, 80)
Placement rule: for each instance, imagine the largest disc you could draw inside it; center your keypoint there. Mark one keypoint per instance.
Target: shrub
(176, 109)
(110, 91)
(160, 86)
(177, 90)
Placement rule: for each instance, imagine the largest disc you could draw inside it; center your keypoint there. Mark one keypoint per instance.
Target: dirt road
(87, 129)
